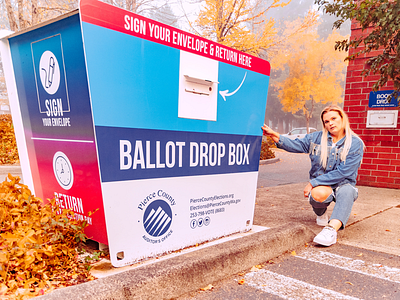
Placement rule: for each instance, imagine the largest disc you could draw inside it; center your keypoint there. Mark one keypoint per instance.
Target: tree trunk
(131, 6)
(34, 12)
(11, 16)
(21, 19)
(308, 114)
(219, 23)
(134, 6)
(128, 4)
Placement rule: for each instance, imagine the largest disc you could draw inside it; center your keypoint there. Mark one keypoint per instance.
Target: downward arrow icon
(226, 93)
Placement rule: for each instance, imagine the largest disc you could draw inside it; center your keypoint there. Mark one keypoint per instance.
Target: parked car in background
(298, 132)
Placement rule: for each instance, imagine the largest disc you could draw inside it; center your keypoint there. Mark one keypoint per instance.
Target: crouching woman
(336, 153)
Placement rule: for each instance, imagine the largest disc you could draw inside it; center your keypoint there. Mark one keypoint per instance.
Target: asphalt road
(314, 272)
(291, 168)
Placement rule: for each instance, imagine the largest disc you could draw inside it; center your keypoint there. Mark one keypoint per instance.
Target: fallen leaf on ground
(348, 282)
(255, 268)
(241, 281)
(388, 230)
(208, 287)
(293, 253)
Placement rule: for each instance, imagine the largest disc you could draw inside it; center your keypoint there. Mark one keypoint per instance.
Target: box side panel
(51, 81)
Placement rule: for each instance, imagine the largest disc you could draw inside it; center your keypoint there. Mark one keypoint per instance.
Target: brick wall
(381, 162)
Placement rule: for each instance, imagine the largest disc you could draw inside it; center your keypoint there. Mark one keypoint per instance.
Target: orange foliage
(8, 145)
(227, 22)
(314, 71)
(266, 144)
(38, 247)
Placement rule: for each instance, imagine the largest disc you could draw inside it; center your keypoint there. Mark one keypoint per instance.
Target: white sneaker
(326, 237)
(323, 220)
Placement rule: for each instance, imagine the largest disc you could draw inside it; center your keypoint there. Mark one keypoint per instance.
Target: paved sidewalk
(374, 224)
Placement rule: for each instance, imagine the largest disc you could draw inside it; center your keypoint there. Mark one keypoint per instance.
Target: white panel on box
(198, 87)
(382, 119)
(148, 218)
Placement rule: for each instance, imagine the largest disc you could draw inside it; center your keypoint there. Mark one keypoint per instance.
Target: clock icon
(63, 170)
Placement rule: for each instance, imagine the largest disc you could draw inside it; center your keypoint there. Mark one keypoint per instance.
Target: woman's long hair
(324, 139)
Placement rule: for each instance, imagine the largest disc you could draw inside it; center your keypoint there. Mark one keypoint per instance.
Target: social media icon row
(200, 222)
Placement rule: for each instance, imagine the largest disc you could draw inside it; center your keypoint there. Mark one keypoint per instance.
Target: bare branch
(11, 17)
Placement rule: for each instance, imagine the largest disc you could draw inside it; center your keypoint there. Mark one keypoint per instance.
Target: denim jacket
(337, 172)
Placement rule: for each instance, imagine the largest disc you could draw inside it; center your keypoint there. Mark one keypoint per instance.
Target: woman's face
(334, 123)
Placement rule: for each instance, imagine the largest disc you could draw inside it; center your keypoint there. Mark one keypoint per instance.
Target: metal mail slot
(198, 86)
(382, 119)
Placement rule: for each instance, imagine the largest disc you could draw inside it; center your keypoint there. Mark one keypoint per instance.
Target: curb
(14, 170)
(189, 272)
(16, 167)
(269, 161)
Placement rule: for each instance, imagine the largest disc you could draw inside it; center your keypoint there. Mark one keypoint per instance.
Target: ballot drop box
(155, 130)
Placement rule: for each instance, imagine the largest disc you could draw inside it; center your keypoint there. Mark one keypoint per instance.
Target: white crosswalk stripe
(354, 265)
(289, 288)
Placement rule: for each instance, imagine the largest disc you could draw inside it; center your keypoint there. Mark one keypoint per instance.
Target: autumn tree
(232, 23)
(314, 72)
(380, 24)
(25, 13)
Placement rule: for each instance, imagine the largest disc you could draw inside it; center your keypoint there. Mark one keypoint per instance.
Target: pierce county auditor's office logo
(157, 218)
(49, 72)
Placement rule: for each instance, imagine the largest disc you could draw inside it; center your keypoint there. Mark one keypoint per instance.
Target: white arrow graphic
(226, 92)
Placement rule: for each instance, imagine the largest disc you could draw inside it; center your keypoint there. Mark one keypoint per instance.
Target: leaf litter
(39, 244)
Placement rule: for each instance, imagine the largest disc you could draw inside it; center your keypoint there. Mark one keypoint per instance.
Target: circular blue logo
(157, 218)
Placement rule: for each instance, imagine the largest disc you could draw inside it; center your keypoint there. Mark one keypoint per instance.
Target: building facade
(376, 121)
